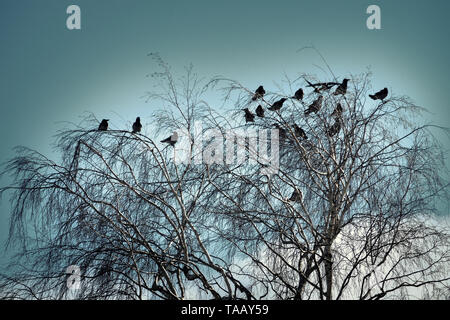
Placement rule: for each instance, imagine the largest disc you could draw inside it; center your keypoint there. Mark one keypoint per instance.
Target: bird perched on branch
(103, 126)
(259, 93)
(137, 126)
(380, 95)
(335, 128)
(299, 132)
(172, 139)
(342, 88)
(298, 94)
(259, 111)
(277, 104)
(296, 196)
(315, 106)
(249, 116)
(337, 111)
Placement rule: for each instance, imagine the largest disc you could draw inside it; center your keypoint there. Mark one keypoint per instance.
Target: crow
(337, 111)
(260, 111)
(342, 88)
(249, 116)
(380, 95)
(315, 106)
(137, 126)
(277, 104)
(299, 132)
(298, 94)
(296, 196)
(103, 125)
(172, 139)
(259, 93)
(334, 128)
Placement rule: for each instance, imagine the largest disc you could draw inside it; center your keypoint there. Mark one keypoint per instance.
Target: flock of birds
(314, 107)
(137, 127)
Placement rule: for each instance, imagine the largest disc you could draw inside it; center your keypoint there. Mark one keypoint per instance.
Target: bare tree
(345, 216)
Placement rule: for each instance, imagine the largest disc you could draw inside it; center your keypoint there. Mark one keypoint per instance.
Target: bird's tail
(372, 96)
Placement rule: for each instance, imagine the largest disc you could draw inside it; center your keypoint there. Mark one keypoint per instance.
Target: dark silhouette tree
(344, 216)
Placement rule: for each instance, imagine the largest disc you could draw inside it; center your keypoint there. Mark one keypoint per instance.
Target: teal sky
(49, 74)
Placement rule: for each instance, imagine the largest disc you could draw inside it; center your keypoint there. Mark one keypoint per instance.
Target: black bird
(337, 111)
(249, 116)
(380, 95)
(299, 132)
(315, 106)
(259, 93)
(298, 94)
(277, 104)
(137, 126)
(260, 111)
(172, 139)
(335, 128)
(296, 196)
(342, 88)
(103, 125)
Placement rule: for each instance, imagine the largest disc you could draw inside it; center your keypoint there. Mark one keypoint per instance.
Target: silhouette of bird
(296, 196)
(259, 93)
(277, 104)
(342, 88)
(298, 94)
(299, 132)
(172, 139)
(249, 116)
(260, 111)
(315, 106)
(137, 126)
(334, 128)
(103, 125)
(380, 95)
(337, 111)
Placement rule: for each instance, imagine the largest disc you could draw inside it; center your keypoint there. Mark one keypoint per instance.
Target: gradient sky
(49, 74)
